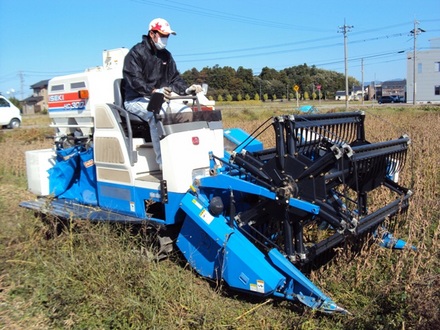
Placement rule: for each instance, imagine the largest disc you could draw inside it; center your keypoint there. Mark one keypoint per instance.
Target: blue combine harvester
(241, 213)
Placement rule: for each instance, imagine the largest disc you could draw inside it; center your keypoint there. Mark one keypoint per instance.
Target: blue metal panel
(301, 288)
(247, 268)
(116, 197)
(224, 181)
(172, 208)
(70, 209)
(215, 250)
(237, 136)
(200, 249)
(142, 195)
(301, 283)
(131, 200)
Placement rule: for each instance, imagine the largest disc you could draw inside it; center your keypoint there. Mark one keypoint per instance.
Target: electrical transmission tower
(20, 74)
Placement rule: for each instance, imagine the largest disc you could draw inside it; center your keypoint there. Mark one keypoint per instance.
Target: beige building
(394, 88)
(38, 101)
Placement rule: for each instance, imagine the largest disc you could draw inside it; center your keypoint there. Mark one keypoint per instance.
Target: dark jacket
(146, 68)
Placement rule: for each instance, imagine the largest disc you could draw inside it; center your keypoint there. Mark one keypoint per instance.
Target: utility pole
(414, 33)
(261, 98)
(362, 86)
(345, 29)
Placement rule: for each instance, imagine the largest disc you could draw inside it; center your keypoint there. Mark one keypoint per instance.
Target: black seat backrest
(118, 92)
(139, 127)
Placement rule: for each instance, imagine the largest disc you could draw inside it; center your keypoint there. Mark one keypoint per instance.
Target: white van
(9, 114)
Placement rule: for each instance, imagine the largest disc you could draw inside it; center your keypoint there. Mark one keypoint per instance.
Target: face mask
(161, 43)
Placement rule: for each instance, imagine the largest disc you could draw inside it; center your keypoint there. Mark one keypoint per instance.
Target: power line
(257, 48)
(195, 57)
(51, 72)
(355, 59)
(205, 12)
(291, 50)
(258, 54)
(382, 28)
(7, 77)
(11, 75)
(231, 17)
(289, 44)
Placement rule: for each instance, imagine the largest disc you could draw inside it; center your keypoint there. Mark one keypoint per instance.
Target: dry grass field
(99, 276)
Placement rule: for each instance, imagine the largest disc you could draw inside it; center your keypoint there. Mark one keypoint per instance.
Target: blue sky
(47, 38)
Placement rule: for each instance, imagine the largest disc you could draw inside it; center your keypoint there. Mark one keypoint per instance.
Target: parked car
(398, 98)
(386, 99)
(10, 115)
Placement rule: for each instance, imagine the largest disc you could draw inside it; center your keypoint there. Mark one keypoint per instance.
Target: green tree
(192, 77)
(278, 87)
(245, 75)
(226, 80)
(15, 102)
(269, 74)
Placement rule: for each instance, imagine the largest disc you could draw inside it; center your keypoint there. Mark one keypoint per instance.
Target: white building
(427, 74)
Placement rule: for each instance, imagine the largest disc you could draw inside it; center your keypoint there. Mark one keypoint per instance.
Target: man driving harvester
(149, 68)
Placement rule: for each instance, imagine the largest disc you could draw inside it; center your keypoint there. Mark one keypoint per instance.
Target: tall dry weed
(394, 284)
(14, 145)
(96, 276)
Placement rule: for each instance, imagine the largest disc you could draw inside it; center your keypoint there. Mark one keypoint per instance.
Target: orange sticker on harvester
(88, 163)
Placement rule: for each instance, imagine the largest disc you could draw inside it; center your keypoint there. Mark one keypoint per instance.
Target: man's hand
(166, 91)
(194, 89)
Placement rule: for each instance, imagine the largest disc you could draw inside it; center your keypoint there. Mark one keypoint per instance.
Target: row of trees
(226, 83)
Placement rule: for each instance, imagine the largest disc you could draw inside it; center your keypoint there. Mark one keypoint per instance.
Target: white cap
(161, 25)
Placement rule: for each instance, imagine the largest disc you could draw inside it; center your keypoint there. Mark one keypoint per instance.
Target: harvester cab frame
(240, 212)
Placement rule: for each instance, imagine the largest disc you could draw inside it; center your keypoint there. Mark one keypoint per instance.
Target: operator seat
(139, 127)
